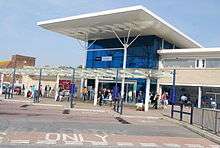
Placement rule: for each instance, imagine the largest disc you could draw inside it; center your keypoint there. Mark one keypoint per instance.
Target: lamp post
(13, 81)
(39, 86)
(72, 89)
(173, 99)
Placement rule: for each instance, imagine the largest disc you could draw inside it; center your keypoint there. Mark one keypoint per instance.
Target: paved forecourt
(29, 125)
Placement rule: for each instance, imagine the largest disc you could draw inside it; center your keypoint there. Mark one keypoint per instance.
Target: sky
(19, 33)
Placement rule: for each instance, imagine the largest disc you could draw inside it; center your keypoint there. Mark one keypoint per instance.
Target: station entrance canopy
(88, 73)
(135, 20)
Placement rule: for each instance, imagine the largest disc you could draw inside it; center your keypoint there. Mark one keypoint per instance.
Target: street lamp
(72, 89)
(14, 77)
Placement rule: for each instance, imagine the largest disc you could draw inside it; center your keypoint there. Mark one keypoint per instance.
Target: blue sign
(72, 88)
(173, 95)
(115, 93)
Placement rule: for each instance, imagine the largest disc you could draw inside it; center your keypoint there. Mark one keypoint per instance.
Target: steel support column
(57, 87)
(1, 85)
(122, 86)
(147, 95)
(13, 82)
(199, 97)
(39, 85)
(81, 87)
(96, 91)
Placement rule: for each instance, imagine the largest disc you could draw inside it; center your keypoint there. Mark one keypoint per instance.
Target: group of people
(104, 96)
(159, 100)
(87, 93)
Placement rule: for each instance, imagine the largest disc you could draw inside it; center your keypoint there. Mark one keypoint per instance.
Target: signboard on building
(65, 84)
(107, 58)
(98, 58)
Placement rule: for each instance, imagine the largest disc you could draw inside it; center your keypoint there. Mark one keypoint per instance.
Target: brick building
(18, 61)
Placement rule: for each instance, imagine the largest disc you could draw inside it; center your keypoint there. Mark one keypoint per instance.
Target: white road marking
(142, 117)
(20, 141)
(172, 145)
(49, 135)
(47, 142)
(81, 138)
(86, 110)
(102, 137)
(99, 143)
(2, 136)
(53, 105)
(149, 145)
(125, 144)
(73, 143)
(12, 100)
(214, 146)
(194, 145)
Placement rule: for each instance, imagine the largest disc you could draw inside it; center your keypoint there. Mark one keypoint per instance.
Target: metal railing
(208, 119)
(182, 112)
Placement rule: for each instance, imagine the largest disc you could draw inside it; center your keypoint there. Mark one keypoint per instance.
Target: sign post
(72, 89)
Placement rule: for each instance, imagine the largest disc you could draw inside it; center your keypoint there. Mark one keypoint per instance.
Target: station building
(136, 38)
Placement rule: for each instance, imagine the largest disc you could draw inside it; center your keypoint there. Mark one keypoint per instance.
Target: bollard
(216, 121)
(121, 109)
(6, 91)
(172, 108)
(191, 115)
(114, 106)
(118, 101)
(181, 112)
(9, 93)
(202, 118)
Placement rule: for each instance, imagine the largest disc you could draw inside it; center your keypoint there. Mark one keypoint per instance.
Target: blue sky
(19, 33)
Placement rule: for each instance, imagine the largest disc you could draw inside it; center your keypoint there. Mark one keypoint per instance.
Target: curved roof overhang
(100, 25)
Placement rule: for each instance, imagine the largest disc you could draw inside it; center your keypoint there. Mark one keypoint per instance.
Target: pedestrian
(184, 99)
(213, 103)
(101, 97)
(84, 93)
(164, 100)
(130, 98)
(156, 99)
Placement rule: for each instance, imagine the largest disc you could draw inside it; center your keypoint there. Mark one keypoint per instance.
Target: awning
(138, 19)
(87, 73)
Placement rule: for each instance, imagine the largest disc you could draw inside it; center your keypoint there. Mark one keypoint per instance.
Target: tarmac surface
(24, 124)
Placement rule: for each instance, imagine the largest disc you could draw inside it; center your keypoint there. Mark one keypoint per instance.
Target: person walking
(164, 100)
(130, 98)
(84, 93)
(156, 99)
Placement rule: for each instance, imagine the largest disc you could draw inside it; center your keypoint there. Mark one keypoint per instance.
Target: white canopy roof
(138, 19)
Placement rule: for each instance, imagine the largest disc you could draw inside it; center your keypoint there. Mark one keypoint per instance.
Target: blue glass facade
(141, 54)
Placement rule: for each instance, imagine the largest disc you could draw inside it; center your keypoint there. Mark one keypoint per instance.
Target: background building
(18, 61)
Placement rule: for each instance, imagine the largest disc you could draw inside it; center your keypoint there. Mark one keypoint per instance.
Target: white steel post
(85, 82)
(147, 95)
(81, 86)
(57, 87)
(124, 67)
(122, 86)
(96, 91)
(2, 79)
(199, 96)
(159, 88)
(125, 55)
